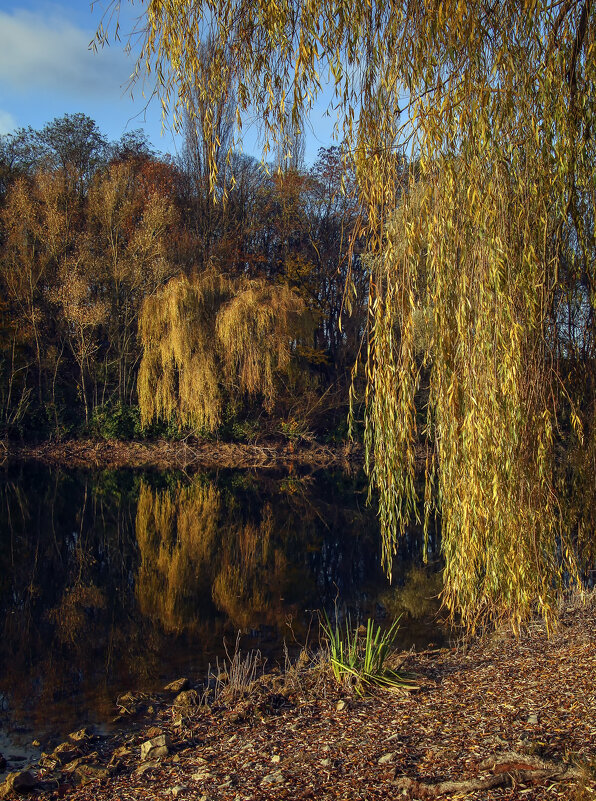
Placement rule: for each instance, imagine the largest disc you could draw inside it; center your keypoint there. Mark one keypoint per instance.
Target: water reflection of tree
(203, 553)
(66, 560)
(113, 580)
(176, 533)
(250, 551)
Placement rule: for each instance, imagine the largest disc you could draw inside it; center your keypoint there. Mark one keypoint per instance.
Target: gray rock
(155, 748)
(68, 768)
(276, 777)
(177, 686)
(24, 781)
(201, 776)
(65, 752)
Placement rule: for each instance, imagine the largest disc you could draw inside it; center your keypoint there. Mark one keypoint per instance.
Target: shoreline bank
(183, 455)
(505, 718)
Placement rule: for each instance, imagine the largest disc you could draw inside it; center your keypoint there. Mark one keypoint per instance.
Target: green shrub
(115, 421)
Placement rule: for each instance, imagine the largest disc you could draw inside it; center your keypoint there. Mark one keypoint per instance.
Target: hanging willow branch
(490, 252)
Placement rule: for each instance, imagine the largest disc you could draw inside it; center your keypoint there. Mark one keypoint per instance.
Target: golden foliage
(129, 240)
(246, 580)
(500, 121)
(207, 334)
(256, 329)
(178, 374)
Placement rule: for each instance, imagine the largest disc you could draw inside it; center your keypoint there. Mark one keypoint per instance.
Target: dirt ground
(503, 718)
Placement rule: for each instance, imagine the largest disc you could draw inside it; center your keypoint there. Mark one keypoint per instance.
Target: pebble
(155, 747)
(177, 686)
(83, 774)
(201, 775)
(18, 782)
(273, 778)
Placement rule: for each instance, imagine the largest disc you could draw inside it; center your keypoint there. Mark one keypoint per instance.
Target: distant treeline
(94, 235)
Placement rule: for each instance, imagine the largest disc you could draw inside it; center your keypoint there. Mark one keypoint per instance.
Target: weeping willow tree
(208, 337)
(178, 374)
(488, 249)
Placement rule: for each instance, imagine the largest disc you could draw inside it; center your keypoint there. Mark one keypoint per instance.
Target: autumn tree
(19, 153)
(39, 232)
(74, 145)
(209, 337)
(83, 311)
(500, 107)
(130, 219)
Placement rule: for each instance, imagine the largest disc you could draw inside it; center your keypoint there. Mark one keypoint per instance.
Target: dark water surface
(124, 580)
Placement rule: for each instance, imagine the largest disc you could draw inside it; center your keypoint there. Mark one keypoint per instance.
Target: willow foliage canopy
(483, 278)
(209, 336)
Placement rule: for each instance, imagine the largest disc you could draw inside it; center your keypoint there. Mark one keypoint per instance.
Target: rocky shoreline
(505, 718)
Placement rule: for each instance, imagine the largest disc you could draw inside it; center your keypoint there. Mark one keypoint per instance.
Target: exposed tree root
(507, 768)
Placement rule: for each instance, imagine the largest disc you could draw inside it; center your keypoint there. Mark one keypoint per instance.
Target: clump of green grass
(360, 660)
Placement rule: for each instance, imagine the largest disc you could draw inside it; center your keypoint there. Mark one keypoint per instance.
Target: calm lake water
(124, 580)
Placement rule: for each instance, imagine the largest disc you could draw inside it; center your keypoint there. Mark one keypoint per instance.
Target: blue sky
(47, 70)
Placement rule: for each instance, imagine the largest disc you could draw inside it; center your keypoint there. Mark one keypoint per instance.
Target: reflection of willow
(193, 552)
(177, 536)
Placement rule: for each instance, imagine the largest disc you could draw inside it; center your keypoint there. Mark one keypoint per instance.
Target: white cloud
(50, 53)
(7, 122)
